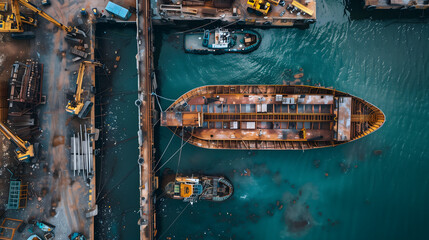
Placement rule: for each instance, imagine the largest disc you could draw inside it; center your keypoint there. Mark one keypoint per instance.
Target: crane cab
(25, 156)
(75, 105)
(74, 108)
(24, 150)
(259, 7)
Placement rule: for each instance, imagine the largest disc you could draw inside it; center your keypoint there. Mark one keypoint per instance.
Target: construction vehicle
(259, 7)
(83, 12)
(275, 2)
(14, 22)
(3, 6)
(24, 150)
(95, 12)
(46, 3)
(76, 105)
(77, 236)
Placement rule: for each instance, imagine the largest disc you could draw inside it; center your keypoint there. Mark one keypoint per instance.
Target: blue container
(118, 11)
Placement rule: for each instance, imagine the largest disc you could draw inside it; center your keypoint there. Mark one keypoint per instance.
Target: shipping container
(118, 11)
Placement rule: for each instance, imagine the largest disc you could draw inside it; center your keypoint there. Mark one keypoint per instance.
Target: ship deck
(302, 117)
(194, 41)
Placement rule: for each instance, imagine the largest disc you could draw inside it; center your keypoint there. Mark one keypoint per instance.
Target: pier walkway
(145, 86)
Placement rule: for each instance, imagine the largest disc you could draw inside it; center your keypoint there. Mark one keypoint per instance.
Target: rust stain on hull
(270, 117)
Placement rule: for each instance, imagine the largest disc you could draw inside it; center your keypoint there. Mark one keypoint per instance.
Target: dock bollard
(138, 102)
(140, 161)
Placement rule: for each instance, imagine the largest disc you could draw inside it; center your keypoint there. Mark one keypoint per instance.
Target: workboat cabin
(221, 41)
(191, 189)
(270, 117)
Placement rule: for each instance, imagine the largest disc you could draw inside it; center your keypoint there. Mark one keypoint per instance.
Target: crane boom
(14, 21)
(17, 15)
(75, 106)
(46, 16)
(79, 81)
(24, 151)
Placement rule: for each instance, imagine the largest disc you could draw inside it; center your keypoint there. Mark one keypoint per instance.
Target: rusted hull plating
(270, 117)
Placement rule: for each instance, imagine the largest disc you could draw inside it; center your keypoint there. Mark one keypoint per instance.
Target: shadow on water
(355, 9)
(117, 119)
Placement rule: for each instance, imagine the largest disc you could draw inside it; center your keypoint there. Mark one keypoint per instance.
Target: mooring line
(173, 154)
(168, 99)
(175, 220)
(180, 154)
(165, 150)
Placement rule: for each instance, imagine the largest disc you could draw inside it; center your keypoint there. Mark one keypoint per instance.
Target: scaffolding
(17, 195)
(8, 228)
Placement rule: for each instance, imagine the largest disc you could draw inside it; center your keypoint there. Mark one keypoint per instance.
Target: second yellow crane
(76, 105)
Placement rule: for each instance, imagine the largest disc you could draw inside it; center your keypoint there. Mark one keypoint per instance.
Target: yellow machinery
(302, 8)
(3, 6)
(275, 2)
(259, 6)
(14, 21)
(75, 106)
(24, 150)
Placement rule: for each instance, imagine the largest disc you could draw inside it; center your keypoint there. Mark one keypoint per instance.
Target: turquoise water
(375, 188)
(117, 171)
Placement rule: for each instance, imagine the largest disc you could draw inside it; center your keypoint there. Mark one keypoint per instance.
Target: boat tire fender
(138, 102)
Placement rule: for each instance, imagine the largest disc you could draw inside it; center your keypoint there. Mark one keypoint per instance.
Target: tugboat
(191, 189)
(221, 41)
(266, 117)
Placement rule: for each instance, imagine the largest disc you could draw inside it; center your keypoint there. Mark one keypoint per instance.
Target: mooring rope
(174, 154)
(206, 25)
(156, 122)
(190, 30)
(168, 99)
(159, 104)
(180, 155)
(175, 220)
(116, 185)
(165, 150)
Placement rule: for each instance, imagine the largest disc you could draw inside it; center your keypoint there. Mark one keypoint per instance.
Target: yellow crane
(14, 21)
(258, 6)
(24, 150)
(75, 106)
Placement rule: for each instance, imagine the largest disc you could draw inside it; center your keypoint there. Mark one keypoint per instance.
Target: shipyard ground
(55, 194)
(165, 13)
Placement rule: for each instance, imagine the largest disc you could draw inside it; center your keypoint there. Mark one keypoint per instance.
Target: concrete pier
(233, 12)
(145, 102)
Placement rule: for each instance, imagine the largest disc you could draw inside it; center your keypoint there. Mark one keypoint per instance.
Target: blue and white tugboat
(219, 41)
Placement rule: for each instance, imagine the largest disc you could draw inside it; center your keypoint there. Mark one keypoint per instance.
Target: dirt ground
(55, 195)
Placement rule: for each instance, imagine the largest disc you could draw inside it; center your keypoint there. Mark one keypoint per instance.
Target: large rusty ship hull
(270, 117)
